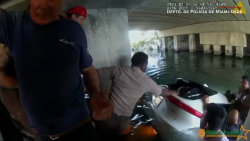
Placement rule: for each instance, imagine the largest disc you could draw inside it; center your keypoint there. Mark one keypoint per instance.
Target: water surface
(218, 72)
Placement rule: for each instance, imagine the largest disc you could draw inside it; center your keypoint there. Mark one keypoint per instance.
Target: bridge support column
(164, 43)
(207, 49)
(239, 52)
(177, 43)
(107, 33)
(229, 50)
(217, 49)
(192, 44)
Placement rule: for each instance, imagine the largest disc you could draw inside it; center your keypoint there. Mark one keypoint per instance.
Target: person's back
(231, 124)
(128, 85)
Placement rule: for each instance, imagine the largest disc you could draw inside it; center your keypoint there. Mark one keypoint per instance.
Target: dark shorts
(86, 132)
(115, 124)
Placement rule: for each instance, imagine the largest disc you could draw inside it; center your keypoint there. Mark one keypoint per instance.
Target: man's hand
(7, 82)
(205, 99)
(101, 106)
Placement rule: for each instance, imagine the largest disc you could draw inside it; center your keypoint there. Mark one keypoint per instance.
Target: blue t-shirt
(48, 61)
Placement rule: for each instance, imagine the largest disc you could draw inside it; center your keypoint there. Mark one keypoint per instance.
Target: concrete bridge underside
(151, 14)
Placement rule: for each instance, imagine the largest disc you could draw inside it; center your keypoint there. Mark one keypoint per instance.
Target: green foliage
(146, 43)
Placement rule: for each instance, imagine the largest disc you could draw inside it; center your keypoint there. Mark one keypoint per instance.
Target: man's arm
(205, 101)
(8, 22)
(166, 92)
(157, 90)
(10, 99)
(99, 101)
(91, 79)
(90, 76)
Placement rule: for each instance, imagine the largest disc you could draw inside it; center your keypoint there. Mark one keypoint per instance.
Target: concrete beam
(192, 43)
(224, 26)
(228, 50)
(224, 38)
(239, 52)
(217, 49)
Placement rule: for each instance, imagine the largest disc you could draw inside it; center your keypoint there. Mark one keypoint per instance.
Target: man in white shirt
(128, 86)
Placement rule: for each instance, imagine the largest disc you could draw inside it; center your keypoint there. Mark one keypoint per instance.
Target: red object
(79, 10)
(184, 106)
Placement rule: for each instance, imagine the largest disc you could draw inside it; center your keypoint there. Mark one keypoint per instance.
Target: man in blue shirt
(50, 53)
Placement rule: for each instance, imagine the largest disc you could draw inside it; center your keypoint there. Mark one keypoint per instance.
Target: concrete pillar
(107, 36)
(164, 43)
(217, 49)
(107, 33)
(228, 50)
(207, 49)
(192, 43)
(239, 52)
(177, 43)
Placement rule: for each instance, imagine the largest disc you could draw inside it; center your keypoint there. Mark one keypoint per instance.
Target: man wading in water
(48, 52)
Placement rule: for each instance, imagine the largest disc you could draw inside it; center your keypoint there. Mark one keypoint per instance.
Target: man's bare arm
(10, 98)
(91, 79)
(205, 101)
(166, 92)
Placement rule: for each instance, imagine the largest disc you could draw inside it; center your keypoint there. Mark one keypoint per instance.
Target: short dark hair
(245, 77)
(215, 116)
(69, 15)
(139, 58)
